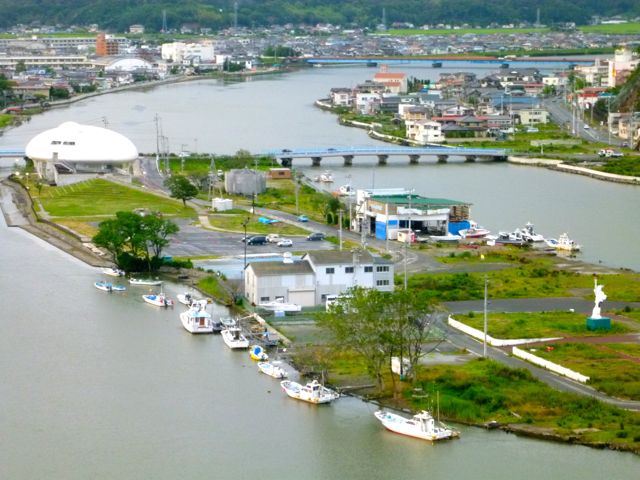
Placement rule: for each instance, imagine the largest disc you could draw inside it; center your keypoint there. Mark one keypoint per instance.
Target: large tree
(181, 188)
(135, 241)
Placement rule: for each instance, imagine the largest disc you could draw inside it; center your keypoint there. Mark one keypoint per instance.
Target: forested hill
(117, 15)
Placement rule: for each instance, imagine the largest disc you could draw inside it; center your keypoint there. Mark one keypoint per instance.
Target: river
(104, 386)
(277, 111)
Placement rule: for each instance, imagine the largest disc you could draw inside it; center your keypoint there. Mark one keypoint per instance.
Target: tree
(135, 241)
(181, 188)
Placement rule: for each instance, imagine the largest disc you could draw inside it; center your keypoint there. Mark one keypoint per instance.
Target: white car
(586, 127)
(285, 242)
(273, 238)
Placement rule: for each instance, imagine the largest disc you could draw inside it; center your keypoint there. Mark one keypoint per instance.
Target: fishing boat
(324, 177)
(312, 392)
(530, 235)
(234, 338)
(449, 238)
(272, 370)
(145, 281)
(197, 319)
(346, 191)
(564, 243)
(186, 299)
(257, 353)
(109, 287)
(474, 231)
(159, 300)
(228, 322)
(113, 272)
(421, 425)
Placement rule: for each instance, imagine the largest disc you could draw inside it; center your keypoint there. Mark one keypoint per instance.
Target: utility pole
(340, 227)
(484, 346)
(157, 120)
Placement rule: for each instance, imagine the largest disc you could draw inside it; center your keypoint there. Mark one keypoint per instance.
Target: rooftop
(417, 200)
(280, 268)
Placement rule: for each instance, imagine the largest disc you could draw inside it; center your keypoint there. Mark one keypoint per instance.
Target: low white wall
(554, 367)
(496, 342)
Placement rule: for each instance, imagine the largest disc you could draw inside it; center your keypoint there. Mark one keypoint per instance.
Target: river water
(276, 112)
(105, 386)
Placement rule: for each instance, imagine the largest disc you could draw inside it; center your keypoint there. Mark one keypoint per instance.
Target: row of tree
(218, 14)
(380, 326)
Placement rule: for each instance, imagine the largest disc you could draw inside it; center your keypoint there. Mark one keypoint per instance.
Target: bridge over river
(12, 152)
(286, 156)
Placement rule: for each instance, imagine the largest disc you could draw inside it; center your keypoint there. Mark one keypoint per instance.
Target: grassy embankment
(5, 120)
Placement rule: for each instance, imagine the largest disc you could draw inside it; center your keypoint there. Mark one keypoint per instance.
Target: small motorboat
(113, 272)
(312, 392)
(272, 370)
(257, 353)
(505, 238)
(530, 235)
(449, 238)
(186, 299)
(228, 322)
(109, 287)
(324, 177)
(566, 244)
(280, 306)
(474, 231)
(159, 300)
(197, 319)
(346, 191)
(145, 281)
(421, 425)
(234, 338)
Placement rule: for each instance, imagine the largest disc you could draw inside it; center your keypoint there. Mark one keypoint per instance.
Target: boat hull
(158, 300)
(312, 392)
(196, 323)
(233, 341)
(410, 427)
(272, 370)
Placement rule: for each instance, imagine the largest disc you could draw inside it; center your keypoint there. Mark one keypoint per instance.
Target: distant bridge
(12, 152)
(286, 156)
(448, 61)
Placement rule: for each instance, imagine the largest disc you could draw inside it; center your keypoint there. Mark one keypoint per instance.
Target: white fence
(554, 367)
(495, 342)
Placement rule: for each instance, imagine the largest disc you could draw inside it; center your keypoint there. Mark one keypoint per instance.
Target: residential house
(424, 131)
(533, 116)
(341, 97)
(394, 82)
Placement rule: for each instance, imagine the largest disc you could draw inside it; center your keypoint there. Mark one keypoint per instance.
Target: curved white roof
(128, 65)
(81, 143)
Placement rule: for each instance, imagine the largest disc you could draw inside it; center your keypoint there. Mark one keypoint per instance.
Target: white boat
(449, 238)
(566, 244)
(228, 322)
(113, 272)
(272, 370)
(324, 177)
(197, 319)
(256, 352)
(144, 281)
(422, 425)
(186, 299)
(530, 235)
(280, 306)
(312, 392)
(474, 231)
(108, 286)
(159, 300)
(234, 338)
(346, 191)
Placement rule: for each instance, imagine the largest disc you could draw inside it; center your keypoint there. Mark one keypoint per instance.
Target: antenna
(384, 18)
(235, 15)
(538, 17)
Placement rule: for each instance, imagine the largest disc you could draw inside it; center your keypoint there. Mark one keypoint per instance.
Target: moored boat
(566, 244)
(228, 322)
(197, 319)
(113, 272)
(280, 306)
(312, 392)
(474, 231)
(257, 353)
(325, 177)
(186, 299)
(159, 300)
(530, 235)
(108, 286)
(234, 338)
(449, 238)
(272, 369)
(421, 425)
(145, 281)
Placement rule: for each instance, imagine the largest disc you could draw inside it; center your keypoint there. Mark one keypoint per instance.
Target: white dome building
(75, 148)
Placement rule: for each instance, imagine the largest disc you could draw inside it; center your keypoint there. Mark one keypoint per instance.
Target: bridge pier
(315, 161)
(286, 162)
(499, 159)
(382, 159)
(348, 160)
(442, 158)
(413, 159)
(470, 158)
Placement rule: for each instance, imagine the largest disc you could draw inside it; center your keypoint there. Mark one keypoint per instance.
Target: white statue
(600, 297)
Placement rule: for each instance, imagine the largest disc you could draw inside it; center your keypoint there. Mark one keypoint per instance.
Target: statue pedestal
(603, 323)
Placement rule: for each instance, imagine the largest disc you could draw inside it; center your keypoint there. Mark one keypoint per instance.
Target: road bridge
(349, 154)
(12, 152)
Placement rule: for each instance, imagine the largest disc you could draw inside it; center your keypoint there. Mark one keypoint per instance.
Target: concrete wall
(496, 342)
(560, 370)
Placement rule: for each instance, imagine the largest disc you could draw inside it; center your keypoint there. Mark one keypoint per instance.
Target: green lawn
(234, 222)
(617, 29)
(462, 31)
(101, 197)
(5, 119)
(614, 368)
(536, 325)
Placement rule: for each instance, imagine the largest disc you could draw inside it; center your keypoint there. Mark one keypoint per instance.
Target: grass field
(233, 222)
(5, 119)
(616, 29)
(463, 31)
(537, 325)
(101, 197)
(614, 368)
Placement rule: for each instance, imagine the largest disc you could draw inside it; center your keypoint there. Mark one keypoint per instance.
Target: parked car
(303, 218)
(273, 238)
(586, 127)
(257, 240)
(615, 154)
(315, 236)
(532, 130)
(285, 242)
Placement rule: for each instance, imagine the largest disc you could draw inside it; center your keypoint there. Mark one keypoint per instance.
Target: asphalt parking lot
(195, 241)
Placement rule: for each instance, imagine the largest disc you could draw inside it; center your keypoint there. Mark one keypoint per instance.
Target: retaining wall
(495, 342)
(554, 367)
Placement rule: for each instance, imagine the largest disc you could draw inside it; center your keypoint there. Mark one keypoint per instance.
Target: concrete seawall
(560, 166)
